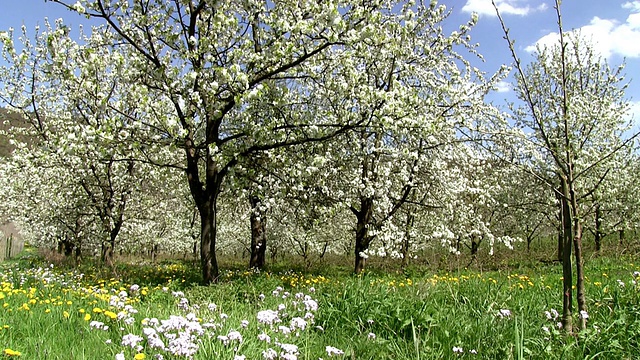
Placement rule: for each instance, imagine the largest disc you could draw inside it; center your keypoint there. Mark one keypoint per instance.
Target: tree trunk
(598, 234)
(109, 248)
(560, 226)
(78, 254)
(154, 253)
(577, 243)
(65, 246)
(407, 239)
(567, 280)
(258, 221)
(475, 245)
(363, 239)
(205, 196)
(107, 256)
(208, 231)
(68, 247)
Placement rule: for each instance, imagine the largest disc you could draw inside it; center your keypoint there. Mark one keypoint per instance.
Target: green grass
(47, 312)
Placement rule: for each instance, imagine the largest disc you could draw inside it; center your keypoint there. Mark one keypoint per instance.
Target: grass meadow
(157, 311)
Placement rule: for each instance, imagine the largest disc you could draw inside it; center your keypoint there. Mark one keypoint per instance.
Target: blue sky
(614, 26)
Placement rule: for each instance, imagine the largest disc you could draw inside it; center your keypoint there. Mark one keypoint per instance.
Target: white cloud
(608, 36)
(633, 5)
(506, 7)
(502, 87)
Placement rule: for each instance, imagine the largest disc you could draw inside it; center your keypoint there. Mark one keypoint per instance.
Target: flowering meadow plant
(259, 316)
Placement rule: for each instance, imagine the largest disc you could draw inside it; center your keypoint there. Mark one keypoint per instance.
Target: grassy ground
(159, 311)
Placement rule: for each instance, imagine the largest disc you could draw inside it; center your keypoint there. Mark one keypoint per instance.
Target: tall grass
(50, 313)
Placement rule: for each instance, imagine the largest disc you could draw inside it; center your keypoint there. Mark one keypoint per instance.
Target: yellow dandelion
(87, 317)
(47, 311)
(97, 310)
(81, 311)
(110, 314)
(65, 314)
(139, 356)
(9, 352)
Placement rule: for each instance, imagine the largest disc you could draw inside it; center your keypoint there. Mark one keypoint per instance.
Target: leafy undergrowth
(159, 311)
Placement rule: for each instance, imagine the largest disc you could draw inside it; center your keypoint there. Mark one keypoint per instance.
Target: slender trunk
(577, 243)
(78, 253)
(258, 221)
(560, 226)
(407, 239)
(567, 281)
(194, 251)
(580, 290)
(154, 253)
(560, 243)
(621, 237)
(598, 235)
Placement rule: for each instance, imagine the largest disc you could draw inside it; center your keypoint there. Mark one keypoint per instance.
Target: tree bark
(598, 233)
(407, 239)
(78, 253)
(258, 220)
(363, 239)
(107, 256)
(205, 195)
(577, 243)
(561, 225)
(475, 245)
(567, 280)
(208, 231)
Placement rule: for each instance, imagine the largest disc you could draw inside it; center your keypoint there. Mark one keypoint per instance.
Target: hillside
(7, 120)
